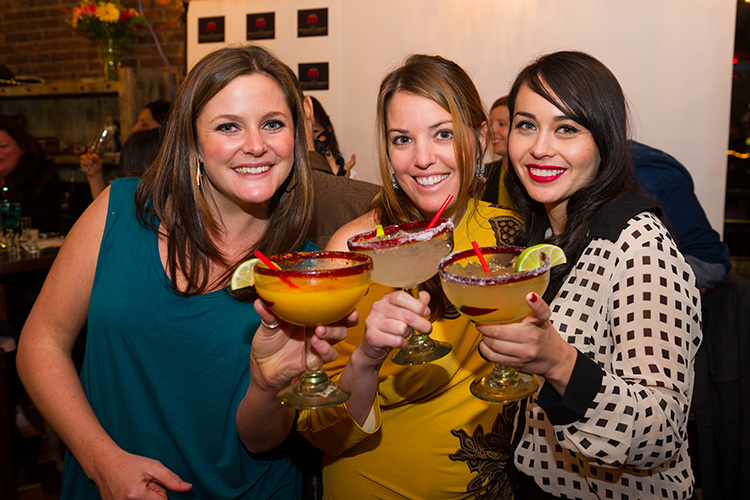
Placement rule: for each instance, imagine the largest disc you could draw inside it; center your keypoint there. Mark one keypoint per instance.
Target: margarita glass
(311, 289)
(497, 296)
(405, 256)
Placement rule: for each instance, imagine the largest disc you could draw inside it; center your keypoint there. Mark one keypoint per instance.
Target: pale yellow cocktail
(494, 296)
(404, 256)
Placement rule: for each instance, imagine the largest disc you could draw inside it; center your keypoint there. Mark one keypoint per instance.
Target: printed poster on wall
(261, 26)
(313, 76)
(210, 29)
(312, 22)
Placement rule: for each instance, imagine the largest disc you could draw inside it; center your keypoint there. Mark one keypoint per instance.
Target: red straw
(440, 212)
(273, 265)
(485, 267)
(266, 260)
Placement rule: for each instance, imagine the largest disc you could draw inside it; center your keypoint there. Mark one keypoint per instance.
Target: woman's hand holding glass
(532, 345)
(91, 164)
(387, 325)
(276, 356)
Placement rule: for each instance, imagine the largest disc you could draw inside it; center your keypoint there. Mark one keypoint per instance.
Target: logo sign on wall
(313, 76)
(261, 26)
(312, 22)
(210, 29)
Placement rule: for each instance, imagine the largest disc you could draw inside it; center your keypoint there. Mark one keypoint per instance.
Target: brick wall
(36, 40)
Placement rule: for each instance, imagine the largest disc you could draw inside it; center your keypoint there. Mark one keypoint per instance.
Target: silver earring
(394, 183)
(479, 169)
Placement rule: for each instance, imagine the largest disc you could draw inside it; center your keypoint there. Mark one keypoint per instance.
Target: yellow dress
(503, 198)
(430, 438)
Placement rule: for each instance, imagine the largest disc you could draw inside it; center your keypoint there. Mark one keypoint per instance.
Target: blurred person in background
(325, 141)
(28, 177)
(495, 191)
(151, 117)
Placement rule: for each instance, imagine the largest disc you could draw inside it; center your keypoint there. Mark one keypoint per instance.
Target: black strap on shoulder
(614, 215)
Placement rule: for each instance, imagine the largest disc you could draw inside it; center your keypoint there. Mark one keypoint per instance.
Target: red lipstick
(549, 172)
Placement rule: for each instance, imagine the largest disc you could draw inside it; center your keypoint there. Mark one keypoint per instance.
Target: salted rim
(364, 264)
(493, 280)
(417, 233)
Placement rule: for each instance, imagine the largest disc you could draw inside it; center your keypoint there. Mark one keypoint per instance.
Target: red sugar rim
(489, 280)
(417, 232)
(362, 264)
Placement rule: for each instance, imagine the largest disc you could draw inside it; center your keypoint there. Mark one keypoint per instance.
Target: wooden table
(23, 262)
(22, 276)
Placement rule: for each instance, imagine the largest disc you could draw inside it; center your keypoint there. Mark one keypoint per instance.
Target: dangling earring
(198, 173)
(394, 183)
(479, 169)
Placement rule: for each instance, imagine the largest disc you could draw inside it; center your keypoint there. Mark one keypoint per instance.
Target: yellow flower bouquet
(110, 24)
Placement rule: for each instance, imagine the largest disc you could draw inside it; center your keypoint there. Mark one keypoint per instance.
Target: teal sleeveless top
(165, 373)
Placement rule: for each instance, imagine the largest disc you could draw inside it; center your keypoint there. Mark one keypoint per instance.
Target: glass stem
(312, 360)
(504, 375)
(414, 292)
(314, 374)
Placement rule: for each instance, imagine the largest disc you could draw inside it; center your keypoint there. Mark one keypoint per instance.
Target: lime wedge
(244, 275)
(531, 257)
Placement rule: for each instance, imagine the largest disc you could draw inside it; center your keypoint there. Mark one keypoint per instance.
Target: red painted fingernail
(534, 297)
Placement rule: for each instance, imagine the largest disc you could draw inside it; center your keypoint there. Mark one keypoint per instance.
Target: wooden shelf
(73, 110)
(62, 88)
(107, 159)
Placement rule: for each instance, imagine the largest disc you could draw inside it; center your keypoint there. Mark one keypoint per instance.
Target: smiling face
(246, 139)
(421, 150)
(552, 155)
(499, 128)
(10, 154)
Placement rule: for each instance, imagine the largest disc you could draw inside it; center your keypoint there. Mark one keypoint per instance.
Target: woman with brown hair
(417, 431)
(146, 268)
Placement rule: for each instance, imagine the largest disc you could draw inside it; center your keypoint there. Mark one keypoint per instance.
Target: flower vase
(110, 54)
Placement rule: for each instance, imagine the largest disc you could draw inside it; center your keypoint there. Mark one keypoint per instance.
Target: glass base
(503, 390)
(421, 350)
(312, 391)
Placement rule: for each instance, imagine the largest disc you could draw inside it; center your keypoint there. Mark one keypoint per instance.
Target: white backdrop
(673, 59)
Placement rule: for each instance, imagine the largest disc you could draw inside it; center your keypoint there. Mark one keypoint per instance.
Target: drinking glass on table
(404, 256)
(497, 296)
(10, 214)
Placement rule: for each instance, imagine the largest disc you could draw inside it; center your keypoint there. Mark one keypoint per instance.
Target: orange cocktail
(310, 289)
(314, 301)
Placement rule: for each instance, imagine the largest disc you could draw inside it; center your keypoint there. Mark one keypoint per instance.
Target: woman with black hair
(325, 141)
(616, 345)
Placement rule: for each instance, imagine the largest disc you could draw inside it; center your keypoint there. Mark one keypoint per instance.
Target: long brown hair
(169, 198)
(446, 83)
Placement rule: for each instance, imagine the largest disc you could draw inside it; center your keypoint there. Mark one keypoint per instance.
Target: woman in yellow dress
(417, 431)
